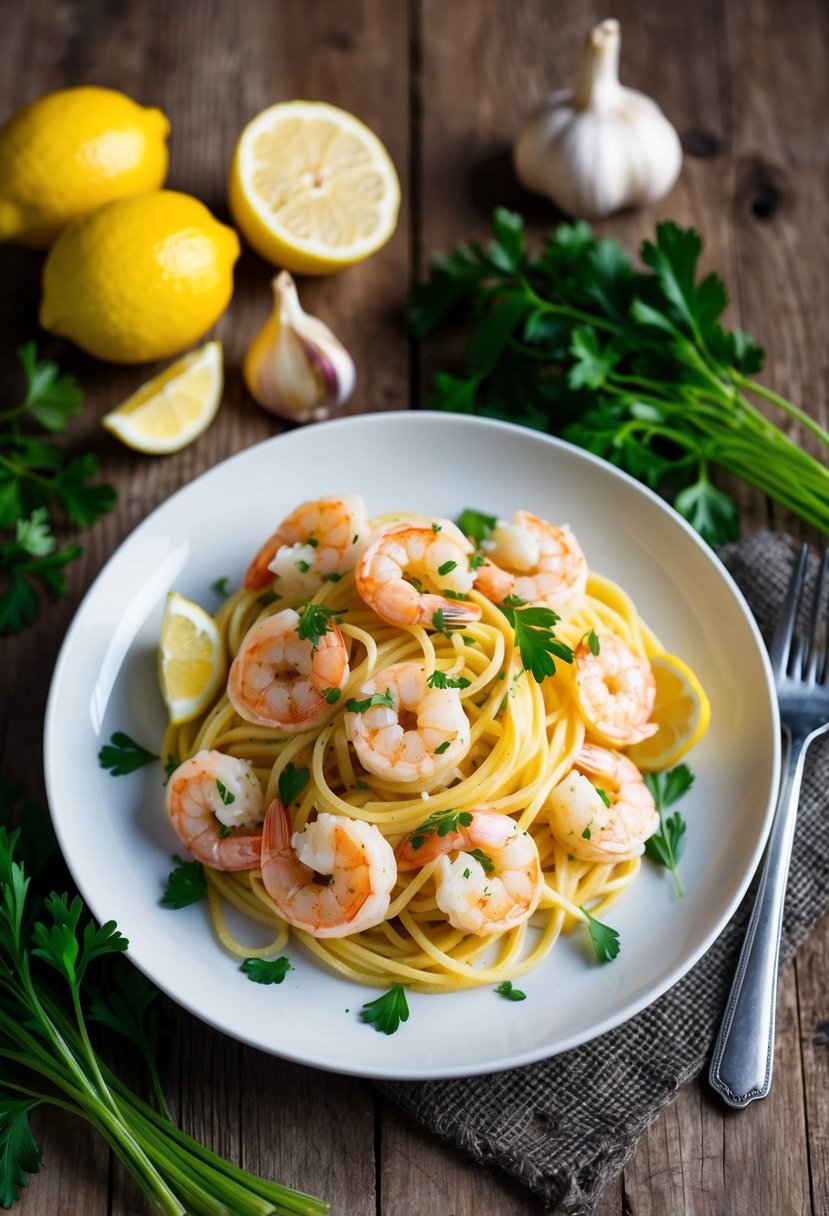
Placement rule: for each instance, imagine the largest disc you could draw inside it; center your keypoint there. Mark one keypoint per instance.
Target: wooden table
(445, 83)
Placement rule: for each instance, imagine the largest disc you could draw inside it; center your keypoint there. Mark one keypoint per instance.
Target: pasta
(516, 737)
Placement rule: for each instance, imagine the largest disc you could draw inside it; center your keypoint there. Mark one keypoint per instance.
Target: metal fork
(742, 1061)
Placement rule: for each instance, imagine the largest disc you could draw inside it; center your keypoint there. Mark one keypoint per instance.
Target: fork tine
(816, 658)
(782, 640)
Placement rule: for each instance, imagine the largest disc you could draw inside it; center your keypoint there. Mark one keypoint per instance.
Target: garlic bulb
(603, 147)
(295, 366)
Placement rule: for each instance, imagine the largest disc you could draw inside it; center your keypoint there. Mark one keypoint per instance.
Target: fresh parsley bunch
(633, 365)
(37, 478)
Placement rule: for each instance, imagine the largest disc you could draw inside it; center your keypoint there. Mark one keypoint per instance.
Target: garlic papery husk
(603, 147)
(295, 366)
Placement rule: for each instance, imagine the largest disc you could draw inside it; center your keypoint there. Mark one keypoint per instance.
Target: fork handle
(743, 1053)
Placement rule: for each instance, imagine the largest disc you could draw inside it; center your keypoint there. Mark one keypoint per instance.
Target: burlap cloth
(566, 1126)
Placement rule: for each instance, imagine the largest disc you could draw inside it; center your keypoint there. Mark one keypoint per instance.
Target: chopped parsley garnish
(292, 781)
(534, 637)
(447, 567)
(312, 541)
(224, 831)
(439, 679)
(482, 859)
(440, 623)
(605, 940)
(267, 598)
(587, 833)
(377, 698)
(315, 620)
(361, 785)
(303, 567)
(186, 884)
(436, 526)
(170, 766)
(603, 794)
(224, 793)
(266, 971)
(442, 747)
(476, 524)
(221, 585)
(332, 695)
(591, 641)
(668, 844)
(387, 1012)
(122, 755)
(512, 994)
(333, 577)
(440, 823)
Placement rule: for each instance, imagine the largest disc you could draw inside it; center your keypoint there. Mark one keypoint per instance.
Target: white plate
(118, 846)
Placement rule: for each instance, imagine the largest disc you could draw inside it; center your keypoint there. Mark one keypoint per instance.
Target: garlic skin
(295, 367)
(602, 147)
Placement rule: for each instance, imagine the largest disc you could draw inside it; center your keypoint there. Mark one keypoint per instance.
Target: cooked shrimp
(535, 561)
(212, 802)
(412, 732)
(582, 820)
(437, 552)
(493, 884)
(278, 678)
(615, 692)
(357, 856)
(317, 540)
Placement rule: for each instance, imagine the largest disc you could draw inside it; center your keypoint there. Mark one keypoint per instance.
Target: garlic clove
(602, 147)
(296, 367)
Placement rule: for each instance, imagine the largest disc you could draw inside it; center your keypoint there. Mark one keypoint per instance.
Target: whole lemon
(69, 152)
(141, 278)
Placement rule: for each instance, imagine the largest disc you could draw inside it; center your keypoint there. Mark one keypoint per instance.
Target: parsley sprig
(634, 365)
(439, 823)
(315, 620)
(122, 755)
(535, 637)
(40, 485)
(605, 939)
(50, 974)
(266, 970)
(668, 844)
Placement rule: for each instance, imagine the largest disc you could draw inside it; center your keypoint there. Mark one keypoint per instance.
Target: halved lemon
(190, 658)
(173, 408)
(312, 188)
(682, 711)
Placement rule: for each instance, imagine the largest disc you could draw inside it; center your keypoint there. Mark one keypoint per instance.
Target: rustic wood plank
(812, 968)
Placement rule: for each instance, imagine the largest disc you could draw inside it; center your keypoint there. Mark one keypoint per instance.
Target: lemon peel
(190, 658)
(681, 710)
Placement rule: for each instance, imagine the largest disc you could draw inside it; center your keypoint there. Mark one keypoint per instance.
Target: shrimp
(212, 802)
(493, 884)
(582, 820)
(615, 692)
(318, 539)
(436, 551)
(357, 856)
(279, 678)
(538, 562)
(405, 730)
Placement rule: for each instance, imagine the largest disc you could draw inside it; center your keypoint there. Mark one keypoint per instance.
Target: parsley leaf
(632, 363)
(439, 679)
(441, 823)
(512, 994)
(378, 698)
(483, 860)
(186, 884)
(292, 781)
(122, 755)
(266, 971)
(19, 1152)
(667, 845)
(535, 639)
(387, 1012)
(605, 940)
(476, 524)
(315, 620)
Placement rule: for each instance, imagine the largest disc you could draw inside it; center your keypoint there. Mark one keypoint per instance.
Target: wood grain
(446, 84)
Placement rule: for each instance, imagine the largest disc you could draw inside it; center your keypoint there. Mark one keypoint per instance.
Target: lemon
(173, 408)
(141, 278)
(70, 151)
(682, 711)
(312, 188)
(190, 658)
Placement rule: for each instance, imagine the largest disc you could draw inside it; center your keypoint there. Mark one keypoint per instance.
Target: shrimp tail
(276, 830)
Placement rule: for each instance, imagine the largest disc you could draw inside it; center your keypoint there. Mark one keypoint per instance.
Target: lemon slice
(682, 711)
(312, 188)
(170, 410)
(190, 660)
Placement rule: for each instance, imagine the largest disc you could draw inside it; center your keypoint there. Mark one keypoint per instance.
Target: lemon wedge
(312, 188)
(190, 658)
(681, 710)
(170, 410)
